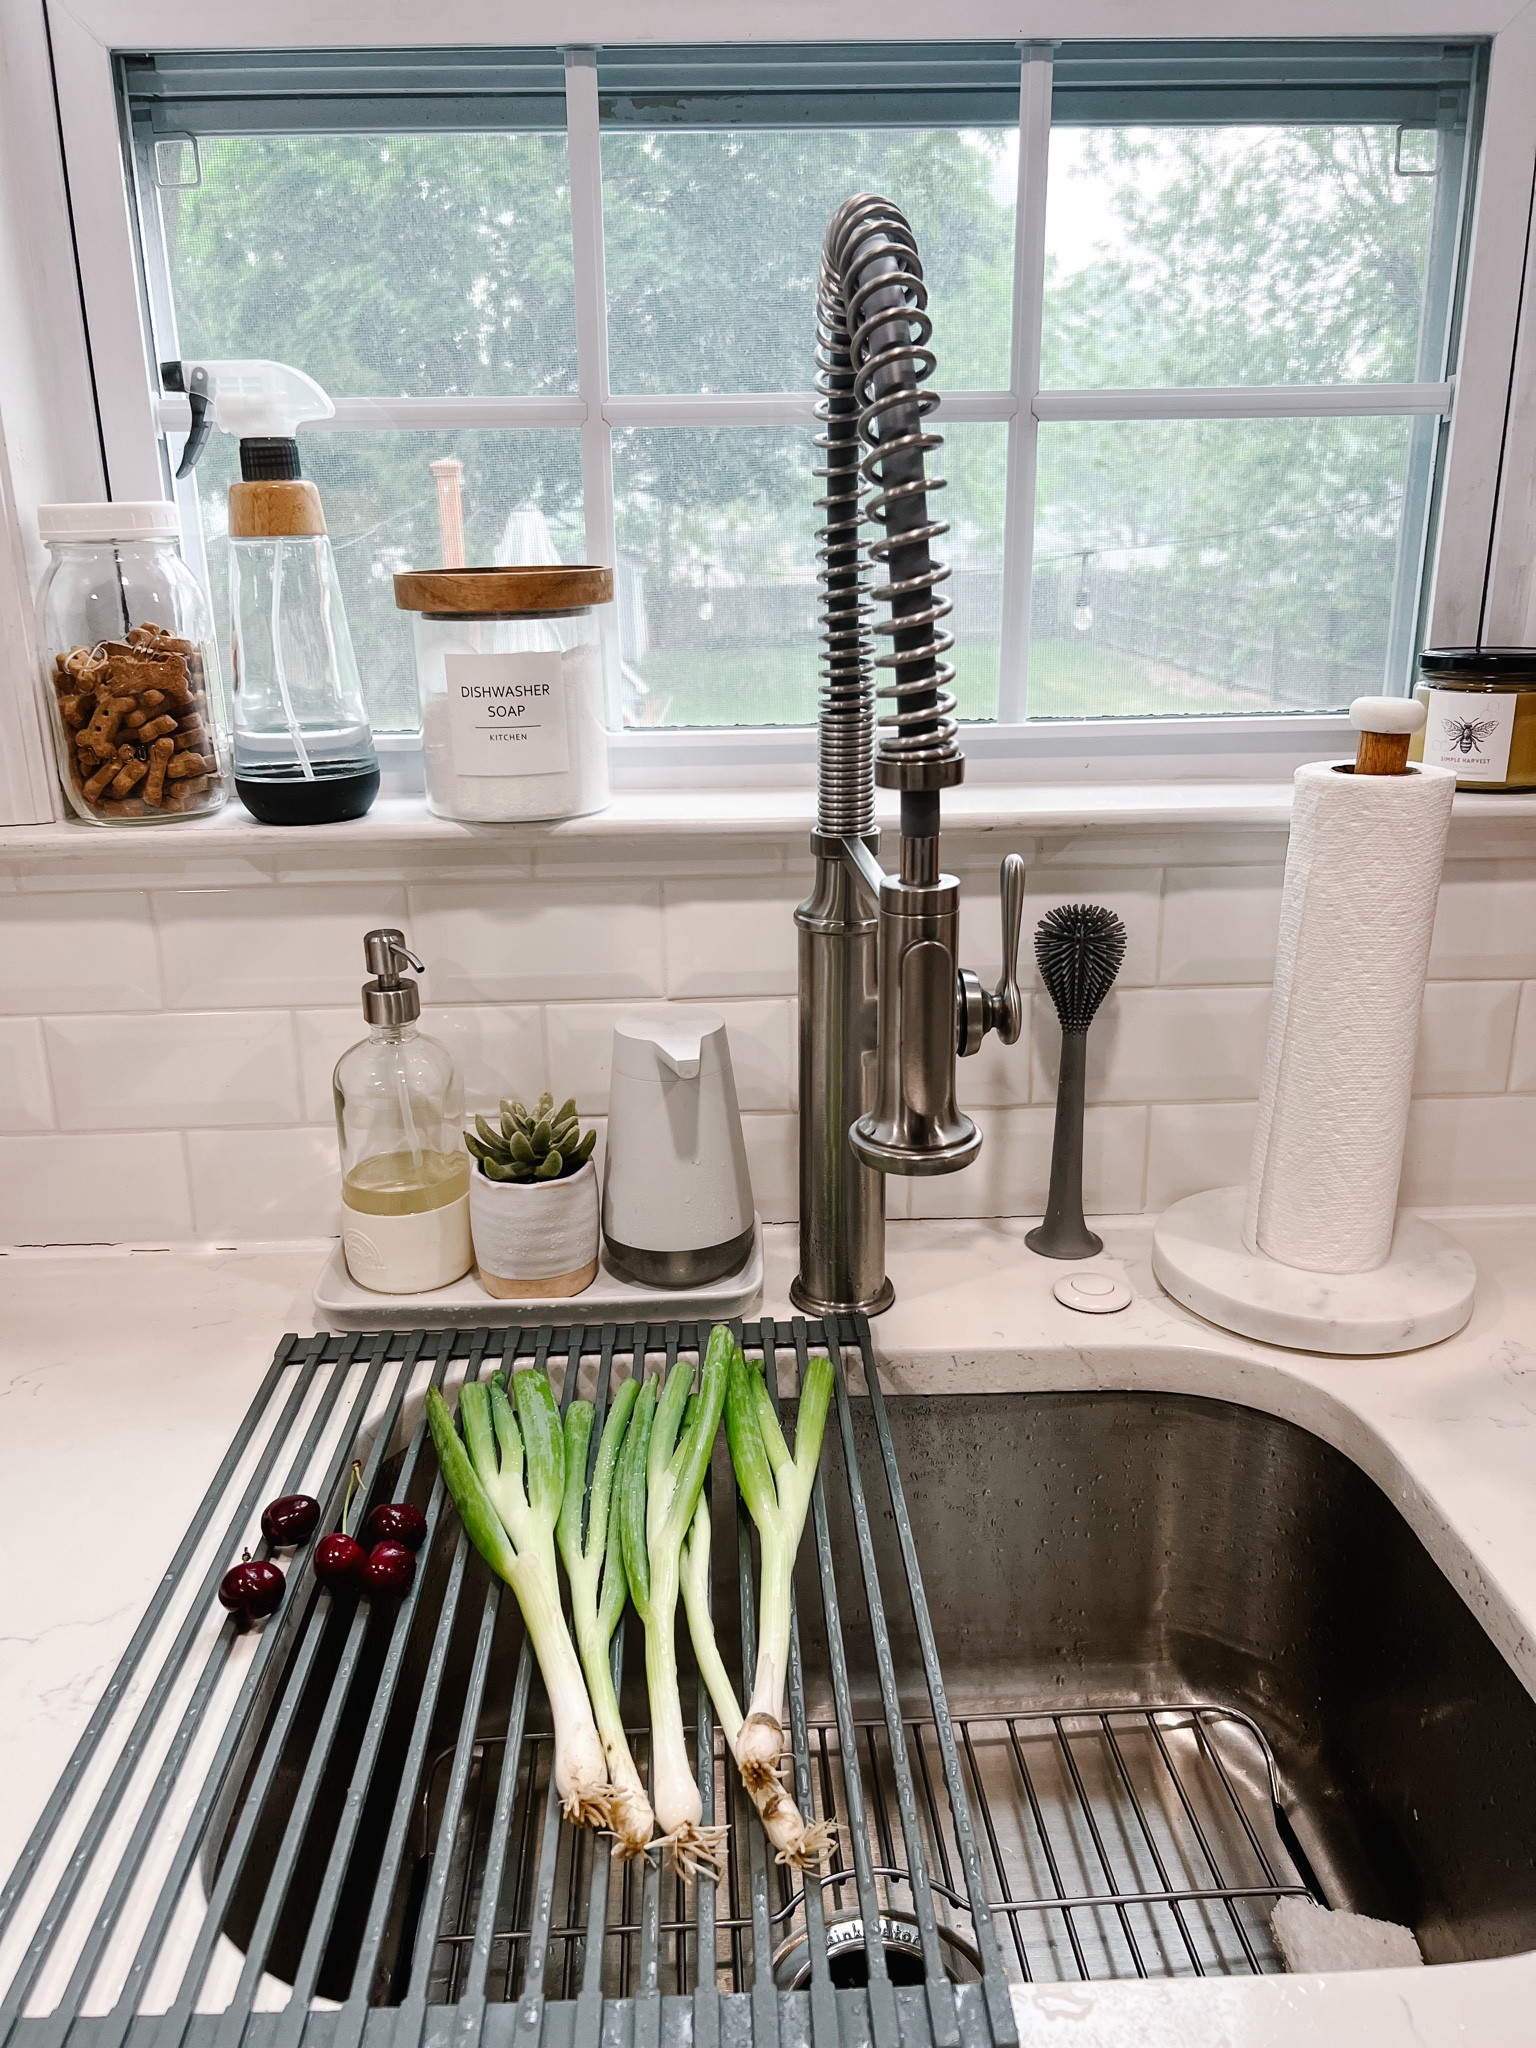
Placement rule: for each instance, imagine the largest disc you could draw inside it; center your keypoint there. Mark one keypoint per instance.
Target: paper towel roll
(1361, 877)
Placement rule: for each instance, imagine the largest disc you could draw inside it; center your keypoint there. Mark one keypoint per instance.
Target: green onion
(508, 1486)
(661, 1475)
(776, 1486)
(595, 1567)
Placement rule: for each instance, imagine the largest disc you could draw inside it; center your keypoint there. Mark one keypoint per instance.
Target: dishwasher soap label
(1470, 731)
(507, 714)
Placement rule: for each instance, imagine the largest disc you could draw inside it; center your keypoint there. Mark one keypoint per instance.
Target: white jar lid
(125, 519)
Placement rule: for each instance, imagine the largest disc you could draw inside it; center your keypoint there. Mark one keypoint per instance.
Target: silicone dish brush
(1078, 949)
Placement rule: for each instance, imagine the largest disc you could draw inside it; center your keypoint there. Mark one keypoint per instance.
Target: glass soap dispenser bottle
(399, 1117)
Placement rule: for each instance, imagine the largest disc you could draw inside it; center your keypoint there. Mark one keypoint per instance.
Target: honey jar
(1481, 705)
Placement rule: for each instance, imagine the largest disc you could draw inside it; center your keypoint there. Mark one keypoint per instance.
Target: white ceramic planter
(535, 1237)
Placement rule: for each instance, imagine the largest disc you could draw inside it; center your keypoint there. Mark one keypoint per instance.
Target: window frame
(1472, 579)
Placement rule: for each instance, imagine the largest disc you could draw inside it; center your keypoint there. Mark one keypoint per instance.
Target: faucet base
(808, 1304)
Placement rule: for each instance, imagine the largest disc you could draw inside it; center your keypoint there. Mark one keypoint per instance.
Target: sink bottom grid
(1122, 1842)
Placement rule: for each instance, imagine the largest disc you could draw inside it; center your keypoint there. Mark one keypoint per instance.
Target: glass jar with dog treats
(130, 673)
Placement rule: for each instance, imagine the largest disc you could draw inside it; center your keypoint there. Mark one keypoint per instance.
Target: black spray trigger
(200, 400)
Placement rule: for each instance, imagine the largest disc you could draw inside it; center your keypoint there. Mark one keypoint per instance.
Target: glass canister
(509, 666)
(131, 675)
(1481, 704)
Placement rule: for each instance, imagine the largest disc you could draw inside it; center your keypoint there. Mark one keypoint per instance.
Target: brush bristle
(1079, 949)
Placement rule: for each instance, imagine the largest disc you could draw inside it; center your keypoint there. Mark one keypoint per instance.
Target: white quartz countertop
(123, 1376)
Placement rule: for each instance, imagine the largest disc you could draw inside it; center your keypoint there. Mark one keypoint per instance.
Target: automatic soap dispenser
(677, 1194)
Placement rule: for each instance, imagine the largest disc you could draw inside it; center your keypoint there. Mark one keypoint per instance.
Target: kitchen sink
(1195, 1660)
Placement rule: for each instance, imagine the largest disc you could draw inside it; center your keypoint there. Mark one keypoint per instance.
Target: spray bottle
(304, 752)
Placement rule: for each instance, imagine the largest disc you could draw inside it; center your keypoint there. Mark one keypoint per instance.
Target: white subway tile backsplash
(998, 1076)
(773, 1158)
(1471, 1149)
(142, 1073)
(228, 949)
(532, 955)
(1164, 1045)
(264, 1184)
(1012, 1173)
(84, 952)
(581, 1046)
(1485, 922)
(1522, 1064)
(1196, 1145)
(520, 942)
(26, 1100)
(727, 938)
(499, 1048)
(1220, 924)
(103, 1189)
(1466, 1032)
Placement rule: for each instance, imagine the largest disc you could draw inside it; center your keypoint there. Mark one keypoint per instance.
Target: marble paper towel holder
(1424, 1290)
(1423, 1293)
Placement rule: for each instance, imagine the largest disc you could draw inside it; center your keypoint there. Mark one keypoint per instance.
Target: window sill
(681, 821)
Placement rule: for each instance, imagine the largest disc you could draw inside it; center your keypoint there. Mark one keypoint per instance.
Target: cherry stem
(352, 1485)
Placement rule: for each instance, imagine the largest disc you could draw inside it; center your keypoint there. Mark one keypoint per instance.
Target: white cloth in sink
(1313, 1939)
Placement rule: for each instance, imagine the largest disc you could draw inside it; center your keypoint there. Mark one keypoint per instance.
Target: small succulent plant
(542, 1143)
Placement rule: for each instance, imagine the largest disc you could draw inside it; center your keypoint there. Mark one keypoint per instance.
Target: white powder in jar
(581, 786)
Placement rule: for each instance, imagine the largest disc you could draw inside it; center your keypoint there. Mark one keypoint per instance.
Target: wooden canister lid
(509, 592)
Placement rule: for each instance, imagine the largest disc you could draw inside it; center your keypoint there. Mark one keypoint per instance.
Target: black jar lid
(1514, 664)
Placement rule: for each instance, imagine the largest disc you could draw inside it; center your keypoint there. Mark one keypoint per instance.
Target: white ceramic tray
(341, 1304)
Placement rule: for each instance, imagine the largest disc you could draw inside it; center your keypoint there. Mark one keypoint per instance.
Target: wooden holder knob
(1385, 725)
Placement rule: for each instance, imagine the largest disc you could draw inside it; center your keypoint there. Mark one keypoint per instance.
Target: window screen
(1191, 448)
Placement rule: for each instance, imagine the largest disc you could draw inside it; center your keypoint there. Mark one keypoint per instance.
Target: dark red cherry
(396, 1521)
(339, 1560)
(388, 1570)
(251, 1588)
(291, 1520)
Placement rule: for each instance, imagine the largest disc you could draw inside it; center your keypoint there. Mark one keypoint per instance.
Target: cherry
(291, 1520)
(396, 1521)
(339, 1560)
(388, 1569)
(251, 1588)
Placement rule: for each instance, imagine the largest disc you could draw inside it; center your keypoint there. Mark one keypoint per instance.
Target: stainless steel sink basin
(1196, 1660)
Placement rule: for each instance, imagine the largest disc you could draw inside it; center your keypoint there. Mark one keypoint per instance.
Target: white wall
(169, 1019)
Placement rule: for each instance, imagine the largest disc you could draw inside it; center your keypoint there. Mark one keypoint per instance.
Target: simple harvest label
(1470, 731)
(507, 715)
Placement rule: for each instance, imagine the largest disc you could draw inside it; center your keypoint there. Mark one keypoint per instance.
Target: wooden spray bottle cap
(1385, 725)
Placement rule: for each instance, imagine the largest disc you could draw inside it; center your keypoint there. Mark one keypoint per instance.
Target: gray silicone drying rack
(121, 1868)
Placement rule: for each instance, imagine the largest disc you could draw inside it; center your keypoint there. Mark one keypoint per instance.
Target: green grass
(1067, 679)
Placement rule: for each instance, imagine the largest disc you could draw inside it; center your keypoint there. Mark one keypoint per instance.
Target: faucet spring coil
(873, 357)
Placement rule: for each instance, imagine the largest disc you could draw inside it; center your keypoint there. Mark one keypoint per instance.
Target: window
(1194, 311)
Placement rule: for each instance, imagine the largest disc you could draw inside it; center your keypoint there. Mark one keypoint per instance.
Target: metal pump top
(390, 998)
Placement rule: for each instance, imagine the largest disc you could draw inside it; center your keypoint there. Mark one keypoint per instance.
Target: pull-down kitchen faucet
(879, 984)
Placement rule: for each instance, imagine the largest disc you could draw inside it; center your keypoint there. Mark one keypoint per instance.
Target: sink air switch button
(1095, 1293)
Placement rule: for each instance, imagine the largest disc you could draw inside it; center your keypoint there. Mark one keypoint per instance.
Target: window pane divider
(1248, 402)
(1028, 313)
(585, 158)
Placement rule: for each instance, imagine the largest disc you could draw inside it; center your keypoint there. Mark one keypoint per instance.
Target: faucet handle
(980, 1010)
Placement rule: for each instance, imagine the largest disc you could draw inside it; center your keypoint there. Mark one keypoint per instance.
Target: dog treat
(130, 775)
(136, 732)
(159, 760)
(94, 788)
